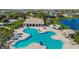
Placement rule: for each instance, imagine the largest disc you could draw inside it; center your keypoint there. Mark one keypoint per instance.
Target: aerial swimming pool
(41, 38)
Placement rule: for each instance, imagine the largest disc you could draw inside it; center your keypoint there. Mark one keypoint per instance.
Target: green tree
(76, 37)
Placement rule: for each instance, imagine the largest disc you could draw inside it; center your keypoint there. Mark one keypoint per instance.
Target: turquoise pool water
(41, 38)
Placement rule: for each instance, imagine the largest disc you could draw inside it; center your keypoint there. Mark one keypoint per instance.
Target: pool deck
(20, 30)
(59, 36)
(24, 35)
(35, 46)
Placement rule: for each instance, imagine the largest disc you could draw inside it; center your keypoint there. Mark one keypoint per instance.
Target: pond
(71, 23)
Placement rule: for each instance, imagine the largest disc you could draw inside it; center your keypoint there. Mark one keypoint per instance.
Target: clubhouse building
(34, 22)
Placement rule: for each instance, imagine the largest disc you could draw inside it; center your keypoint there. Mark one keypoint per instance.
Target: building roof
(1, 23)
(69, 31)
(34, 21)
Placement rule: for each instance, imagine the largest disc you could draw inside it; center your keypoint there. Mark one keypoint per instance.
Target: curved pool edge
(30, 35)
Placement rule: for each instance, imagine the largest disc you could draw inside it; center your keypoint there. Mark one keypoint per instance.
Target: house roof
(34, 21)
(1, 23)
(69, 31)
